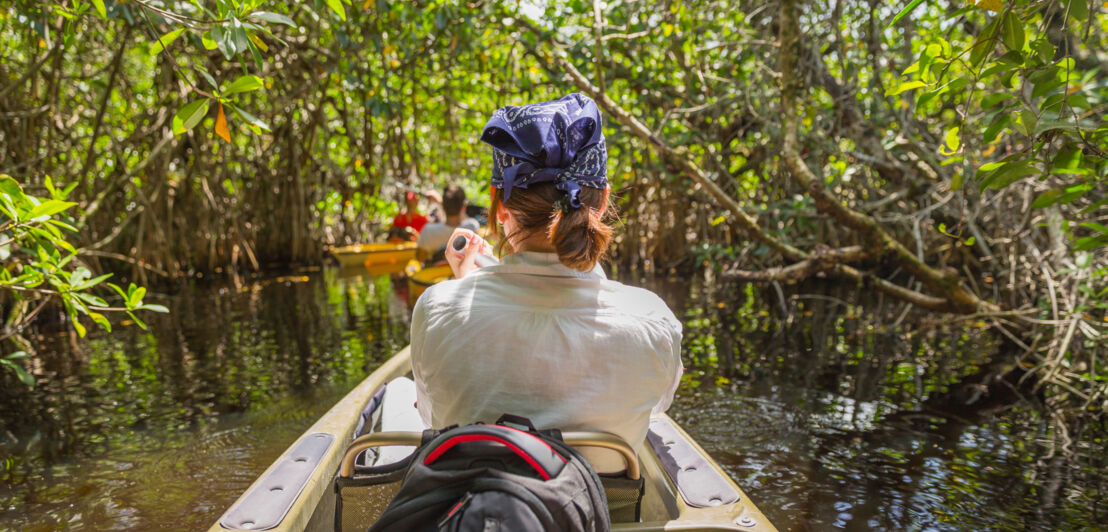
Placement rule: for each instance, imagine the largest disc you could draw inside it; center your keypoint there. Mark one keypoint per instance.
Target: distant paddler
(433, 238)
(408, 223)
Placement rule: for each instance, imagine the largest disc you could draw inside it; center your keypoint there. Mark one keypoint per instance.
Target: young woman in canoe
(544, 334)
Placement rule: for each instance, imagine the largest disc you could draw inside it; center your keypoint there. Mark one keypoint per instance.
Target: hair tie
(563, 204)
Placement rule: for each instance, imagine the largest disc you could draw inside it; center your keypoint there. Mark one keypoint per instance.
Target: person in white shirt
(433, 237)
(544, 334)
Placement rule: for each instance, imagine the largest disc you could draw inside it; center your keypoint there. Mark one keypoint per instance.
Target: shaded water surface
(828, 418)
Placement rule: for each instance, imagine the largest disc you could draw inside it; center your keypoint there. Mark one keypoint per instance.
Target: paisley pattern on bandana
(559, 141)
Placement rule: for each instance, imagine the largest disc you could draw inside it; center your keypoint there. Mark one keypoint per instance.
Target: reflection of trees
(220, 351)
(898, 425)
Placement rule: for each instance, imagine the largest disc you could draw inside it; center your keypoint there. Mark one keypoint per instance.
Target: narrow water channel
(819, 412)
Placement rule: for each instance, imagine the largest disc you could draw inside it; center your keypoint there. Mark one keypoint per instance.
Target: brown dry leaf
(992, 5)
(221, 125)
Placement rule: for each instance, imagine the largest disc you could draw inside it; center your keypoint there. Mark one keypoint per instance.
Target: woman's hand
(465, 262)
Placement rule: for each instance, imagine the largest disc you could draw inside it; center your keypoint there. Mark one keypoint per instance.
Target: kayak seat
(364, 490)
(399, 414)
(378, 471)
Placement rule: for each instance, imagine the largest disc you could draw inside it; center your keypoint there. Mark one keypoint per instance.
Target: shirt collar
(535, 263)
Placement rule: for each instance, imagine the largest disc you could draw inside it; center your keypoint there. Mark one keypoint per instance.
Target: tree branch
(676, 156)
(945, 283)
(821, 259)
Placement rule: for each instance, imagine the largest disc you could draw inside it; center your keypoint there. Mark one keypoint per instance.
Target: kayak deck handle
(603, 440)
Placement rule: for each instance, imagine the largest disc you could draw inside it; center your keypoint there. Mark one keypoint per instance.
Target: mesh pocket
(624, 498)
(360, 506)
(360, 500)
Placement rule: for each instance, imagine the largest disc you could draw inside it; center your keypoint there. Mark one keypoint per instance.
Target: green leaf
(990, 100)
(118, 290)
(225, 41)
(244, 84)
(952, 142)
(10, 187)
(208, 77)
(249, 118)
(103, 11)
(1043, 49)
(336, 6)
(140, 323)
(208, 41)
(154, 308)
(984, 44)
(1026, 121)
(1079, 9)
(242, 42)
(17, 355)
(189, 116)
(1001, 121)
(78, 327)
(165, 40)
(906, 86)
(49, 208)
(1011, 58)
(61, 224)
(101, 321)
(1045, 125)
(1047, 198)
(24, 377)
(91, 299)
(1013, 32)
(1069, 157)
(1046, 87)
(1007, 174)
(136, 297)
(275, 18)
(92, 282)
(79, 275)
(907, 10)
(1100, 228)
(1090, 242)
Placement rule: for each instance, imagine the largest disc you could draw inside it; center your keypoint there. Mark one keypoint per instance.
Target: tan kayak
(684, 488)
(395, 254)
(419, 278)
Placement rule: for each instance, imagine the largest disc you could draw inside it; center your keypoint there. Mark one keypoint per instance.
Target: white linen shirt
(530, 336)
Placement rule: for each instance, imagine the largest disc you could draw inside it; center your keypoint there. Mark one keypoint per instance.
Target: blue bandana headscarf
(559, 141)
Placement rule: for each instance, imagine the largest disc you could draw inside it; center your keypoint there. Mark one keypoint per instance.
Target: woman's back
(532, 337)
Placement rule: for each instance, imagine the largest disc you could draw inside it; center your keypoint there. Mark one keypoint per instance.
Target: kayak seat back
(363, 492)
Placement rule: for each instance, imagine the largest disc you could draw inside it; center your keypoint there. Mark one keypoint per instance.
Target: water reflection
(164, 428)
(831, 418)
(829, 414)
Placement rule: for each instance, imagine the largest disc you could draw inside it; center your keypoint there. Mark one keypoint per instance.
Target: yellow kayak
(419, 278)
(395, 254)
(685, 489)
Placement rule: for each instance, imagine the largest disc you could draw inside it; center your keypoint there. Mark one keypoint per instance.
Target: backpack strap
(521, 423)
(547, 462)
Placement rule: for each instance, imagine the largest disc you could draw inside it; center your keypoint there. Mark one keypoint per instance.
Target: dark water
(825, 413)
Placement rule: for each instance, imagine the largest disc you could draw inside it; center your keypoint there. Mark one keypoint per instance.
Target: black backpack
(497, 477)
